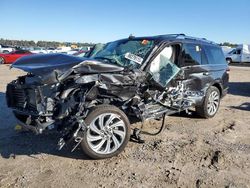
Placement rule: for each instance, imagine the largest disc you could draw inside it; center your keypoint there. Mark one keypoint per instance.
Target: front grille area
(20, 98)
(15, 96)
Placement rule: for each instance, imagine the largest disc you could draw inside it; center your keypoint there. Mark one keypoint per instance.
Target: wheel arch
(218, 86)
(230, 59)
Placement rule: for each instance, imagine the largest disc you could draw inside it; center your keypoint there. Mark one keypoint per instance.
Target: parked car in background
(92, 100)
(62, 50)
(39, 50)
(72, 52)
(6, 49)
(50, 50)
(241, 54)
(13, 56)
(80, 53)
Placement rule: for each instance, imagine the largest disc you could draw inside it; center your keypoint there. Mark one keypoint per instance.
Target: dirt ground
(191, 152)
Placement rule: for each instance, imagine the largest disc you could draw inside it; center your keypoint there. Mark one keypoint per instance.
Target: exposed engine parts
(69, 102)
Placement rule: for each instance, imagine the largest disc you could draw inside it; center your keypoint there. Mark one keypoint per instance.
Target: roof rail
(196, 38)
(183, 36)
(172, 35)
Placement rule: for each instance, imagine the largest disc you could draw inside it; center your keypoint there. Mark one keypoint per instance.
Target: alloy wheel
(213, 103)
(106, 133)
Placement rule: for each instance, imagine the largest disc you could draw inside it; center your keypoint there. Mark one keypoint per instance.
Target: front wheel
(107, 134)
(229, 60)
(210, 104)
(2, 61)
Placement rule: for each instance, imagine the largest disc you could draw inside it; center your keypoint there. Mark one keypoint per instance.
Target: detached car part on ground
(91, 101)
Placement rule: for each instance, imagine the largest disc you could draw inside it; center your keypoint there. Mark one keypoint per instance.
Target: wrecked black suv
(92, 100)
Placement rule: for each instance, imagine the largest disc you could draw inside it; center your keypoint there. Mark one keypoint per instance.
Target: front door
(164, 66)
(236, 55)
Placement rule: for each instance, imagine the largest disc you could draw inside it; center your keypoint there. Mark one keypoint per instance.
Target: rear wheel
(108, 132)
(210, 104)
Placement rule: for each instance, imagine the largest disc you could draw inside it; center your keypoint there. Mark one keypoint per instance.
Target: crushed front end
(61, 98)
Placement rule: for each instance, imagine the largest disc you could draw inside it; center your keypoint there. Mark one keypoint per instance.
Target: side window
(191, 54)
(238, 51)
(204, 60)
(163, 68)
(215, 55)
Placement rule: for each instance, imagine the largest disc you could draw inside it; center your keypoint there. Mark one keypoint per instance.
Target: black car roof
(175, 38)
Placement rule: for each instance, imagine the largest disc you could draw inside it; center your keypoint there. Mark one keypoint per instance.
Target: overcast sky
(107, 20)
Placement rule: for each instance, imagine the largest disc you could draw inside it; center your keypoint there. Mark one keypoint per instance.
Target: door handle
(206, 73)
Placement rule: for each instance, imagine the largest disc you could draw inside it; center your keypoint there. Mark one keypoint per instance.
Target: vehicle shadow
(239, 88)
(244, 106)
(14, 143)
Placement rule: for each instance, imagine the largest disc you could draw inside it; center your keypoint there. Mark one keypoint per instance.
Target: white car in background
(71, 52)
(62, 50)
(38, 50)
(6, 49)
(50, 50)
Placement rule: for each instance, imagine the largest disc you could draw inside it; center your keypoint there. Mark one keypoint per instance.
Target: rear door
(194, 64)
(217, 66)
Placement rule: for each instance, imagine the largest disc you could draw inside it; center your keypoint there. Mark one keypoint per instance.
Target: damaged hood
(40, 64)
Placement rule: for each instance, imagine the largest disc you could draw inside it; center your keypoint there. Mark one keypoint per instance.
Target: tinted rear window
(191, 54)
(214, 55)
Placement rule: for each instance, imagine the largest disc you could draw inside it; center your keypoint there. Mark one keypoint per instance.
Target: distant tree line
(229, 44)
(46, 44)
(54, 44)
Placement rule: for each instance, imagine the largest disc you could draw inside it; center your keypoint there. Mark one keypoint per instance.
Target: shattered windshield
(126, 53)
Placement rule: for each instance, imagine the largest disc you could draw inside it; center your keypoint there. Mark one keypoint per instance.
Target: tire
(229, 60)
(211, 103)
(108, 140)
(2, 61)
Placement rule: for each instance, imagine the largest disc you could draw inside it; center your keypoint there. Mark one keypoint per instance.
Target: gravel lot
(191, 152)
